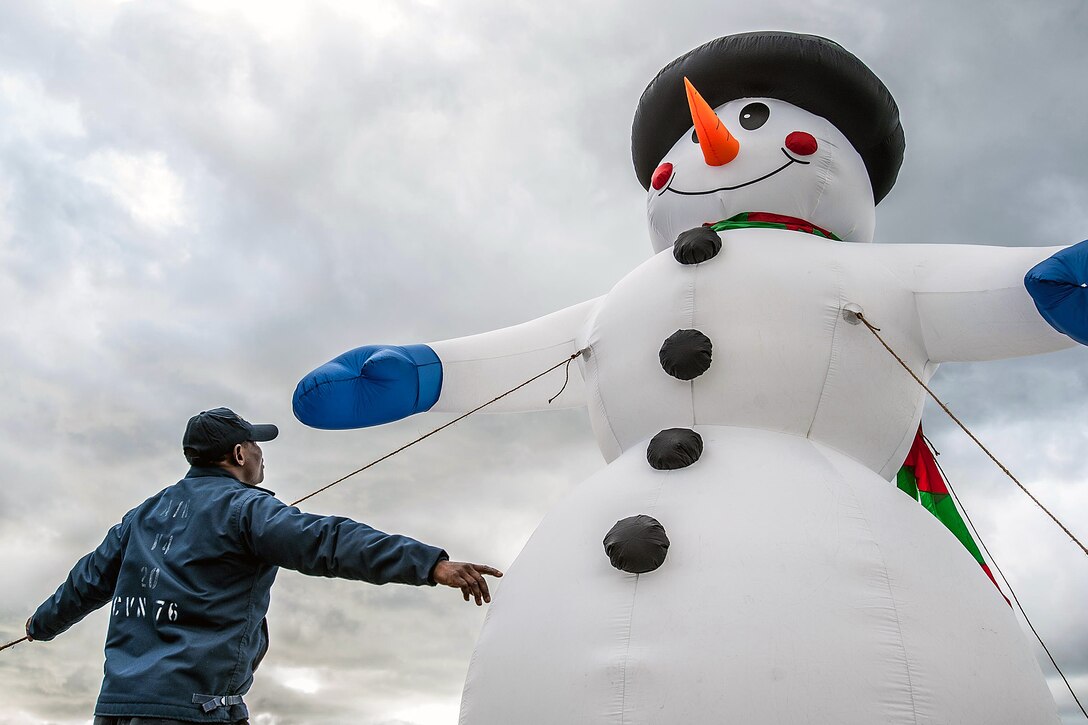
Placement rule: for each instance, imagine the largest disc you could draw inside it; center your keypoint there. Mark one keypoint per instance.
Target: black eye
(754, 115)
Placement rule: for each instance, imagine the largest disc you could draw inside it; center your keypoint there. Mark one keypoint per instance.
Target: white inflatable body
(800, 585)
(798, 588)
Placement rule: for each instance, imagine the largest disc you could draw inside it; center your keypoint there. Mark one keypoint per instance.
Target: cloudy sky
(200, 201)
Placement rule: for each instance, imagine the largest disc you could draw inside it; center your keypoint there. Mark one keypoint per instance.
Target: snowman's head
(759, 155)
(791, 125)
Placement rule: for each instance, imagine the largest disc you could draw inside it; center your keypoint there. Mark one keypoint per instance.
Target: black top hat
(811, 72)
(213, 433)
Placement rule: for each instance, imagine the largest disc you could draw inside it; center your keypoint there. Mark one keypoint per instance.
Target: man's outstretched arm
(89, 585)
(335, 546)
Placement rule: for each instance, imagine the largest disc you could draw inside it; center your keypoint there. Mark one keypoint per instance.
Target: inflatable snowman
(758, 566)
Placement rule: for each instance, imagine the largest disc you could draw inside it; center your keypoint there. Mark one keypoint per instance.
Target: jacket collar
(217, 472)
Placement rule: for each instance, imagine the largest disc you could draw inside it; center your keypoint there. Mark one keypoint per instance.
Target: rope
(566, 377)
(566, 361)
(12, 644)
(1015, 598)
(876, 333)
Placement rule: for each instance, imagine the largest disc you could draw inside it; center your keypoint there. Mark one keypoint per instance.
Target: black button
(636, 544)
(674, 448)
(696, 245)
(686, 354)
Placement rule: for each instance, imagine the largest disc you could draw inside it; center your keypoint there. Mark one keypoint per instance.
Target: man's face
(253, 467)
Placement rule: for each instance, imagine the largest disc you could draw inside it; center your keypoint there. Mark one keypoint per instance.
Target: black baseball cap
(213, 433)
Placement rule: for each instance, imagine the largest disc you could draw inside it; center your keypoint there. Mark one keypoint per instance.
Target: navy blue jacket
(187, 575)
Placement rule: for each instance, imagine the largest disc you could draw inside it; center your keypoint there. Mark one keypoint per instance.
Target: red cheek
(801, 143)
(661, 176)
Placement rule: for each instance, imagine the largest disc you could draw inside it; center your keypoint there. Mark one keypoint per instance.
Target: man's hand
(28, 637)
(466, 577)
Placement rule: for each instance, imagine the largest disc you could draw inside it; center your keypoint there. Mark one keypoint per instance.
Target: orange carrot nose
(719, 146)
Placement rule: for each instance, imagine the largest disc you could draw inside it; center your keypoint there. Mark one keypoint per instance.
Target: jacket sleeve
(90, 584)
(332, 546)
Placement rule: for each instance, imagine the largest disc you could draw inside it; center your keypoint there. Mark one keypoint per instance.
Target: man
(188, 575)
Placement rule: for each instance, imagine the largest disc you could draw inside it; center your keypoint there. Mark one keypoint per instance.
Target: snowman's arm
(986, 303)
(378, 384)
(477, 368)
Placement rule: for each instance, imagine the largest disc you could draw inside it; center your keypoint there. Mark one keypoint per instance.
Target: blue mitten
(369, 385)
(1059, 287)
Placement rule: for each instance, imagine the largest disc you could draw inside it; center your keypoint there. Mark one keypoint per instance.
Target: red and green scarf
(921, 479)
(767, 220)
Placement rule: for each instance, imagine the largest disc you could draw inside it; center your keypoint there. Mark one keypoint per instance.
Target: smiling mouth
(790, 162)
